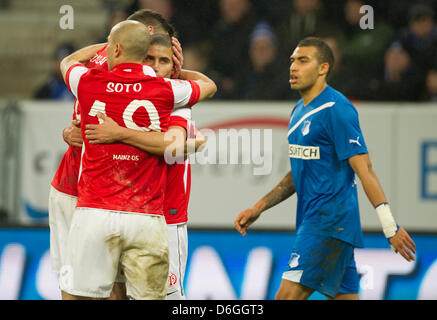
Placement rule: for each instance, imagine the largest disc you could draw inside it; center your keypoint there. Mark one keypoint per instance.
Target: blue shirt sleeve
(344, 131)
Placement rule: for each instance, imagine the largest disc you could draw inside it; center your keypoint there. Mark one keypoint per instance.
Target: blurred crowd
(245, 45)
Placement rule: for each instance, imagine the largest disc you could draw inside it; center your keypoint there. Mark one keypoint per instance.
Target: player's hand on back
(103, 133)
(403, 244)
(73, 135)
(245, 219)
(178, 58)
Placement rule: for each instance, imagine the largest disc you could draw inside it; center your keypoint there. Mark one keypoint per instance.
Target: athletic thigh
(290, 290)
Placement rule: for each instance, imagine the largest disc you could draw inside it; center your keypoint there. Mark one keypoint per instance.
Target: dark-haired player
(158, 25)
(327, 150)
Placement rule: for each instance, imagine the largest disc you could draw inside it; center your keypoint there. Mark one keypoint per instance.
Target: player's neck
(312, 92)
(128, 60)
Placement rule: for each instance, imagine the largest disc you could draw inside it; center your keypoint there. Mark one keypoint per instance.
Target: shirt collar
(128, 67)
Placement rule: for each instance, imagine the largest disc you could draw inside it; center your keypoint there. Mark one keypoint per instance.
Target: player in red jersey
(63, 191)
(178, 174)
(121, 189)
(178, 187)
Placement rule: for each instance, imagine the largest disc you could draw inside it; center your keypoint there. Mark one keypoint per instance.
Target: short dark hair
(324, 52)
(151, 18)
(419, 12)
(160, 40)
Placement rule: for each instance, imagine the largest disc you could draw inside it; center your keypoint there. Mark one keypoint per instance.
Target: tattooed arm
(282, 191)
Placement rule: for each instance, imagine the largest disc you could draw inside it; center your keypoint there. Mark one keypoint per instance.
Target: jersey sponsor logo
(306, 127)
(304, 152)
(355, 141)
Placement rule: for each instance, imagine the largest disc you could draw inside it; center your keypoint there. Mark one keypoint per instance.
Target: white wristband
(389, 226)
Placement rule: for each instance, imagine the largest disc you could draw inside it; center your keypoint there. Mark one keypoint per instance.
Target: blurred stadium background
(389, 72)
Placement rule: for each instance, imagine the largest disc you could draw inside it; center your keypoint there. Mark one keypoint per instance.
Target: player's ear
(324, 68)
(117, 52)
(151, 29)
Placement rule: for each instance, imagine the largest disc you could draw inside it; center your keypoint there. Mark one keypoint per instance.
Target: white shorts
(61, 209)
(178, 247)
(100, 240)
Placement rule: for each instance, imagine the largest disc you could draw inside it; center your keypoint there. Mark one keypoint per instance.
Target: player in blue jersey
(326, 149)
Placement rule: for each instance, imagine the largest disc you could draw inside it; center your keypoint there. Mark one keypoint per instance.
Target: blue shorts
(324, 264)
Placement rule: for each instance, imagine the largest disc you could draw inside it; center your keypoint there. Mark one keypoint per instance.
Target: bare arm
(110, 132)
(157, 143)
(283, 190)
(363, 168)
(207, 86)
(80, 56)
(400, 241)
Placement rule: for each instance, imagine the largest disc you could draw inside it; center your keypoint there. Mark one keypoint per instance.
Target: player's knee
(67, 296)
(282, 295)
(289, 290)
(118, 292)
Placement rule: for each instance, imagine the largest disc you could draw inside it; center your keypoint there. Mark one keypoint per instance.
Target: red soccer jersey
(118, 176)
(177, 193)
(67, 175)
(65, 179)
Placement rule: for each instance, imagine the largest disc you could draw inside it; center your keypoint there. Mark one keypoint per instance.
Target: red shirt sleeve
(195, 93)
(178, 121)
(73, 75)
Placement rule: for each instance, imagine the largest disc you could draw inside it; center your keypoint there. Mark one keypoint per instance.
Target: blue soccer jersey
(322, 136)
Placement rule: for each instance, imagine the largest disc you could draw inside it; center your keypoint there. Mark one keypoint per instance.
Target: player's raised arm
(398, 237)
(207, 87)
(80, 56)
(283, 190)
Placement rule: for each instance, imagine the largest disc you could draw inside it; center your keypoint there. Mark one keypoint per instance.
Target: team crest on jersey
(306, 127)
(172, 279)
(294, 260)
